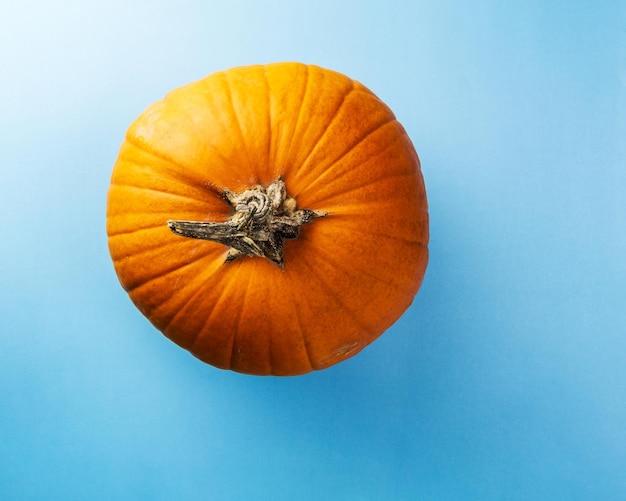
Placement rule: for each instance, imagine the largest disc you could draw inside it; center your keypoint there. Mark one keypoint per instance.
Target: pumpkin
(270, 219)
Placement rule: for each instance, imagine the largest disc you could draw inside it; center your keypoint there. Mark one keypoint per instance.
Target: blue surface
(506, 379)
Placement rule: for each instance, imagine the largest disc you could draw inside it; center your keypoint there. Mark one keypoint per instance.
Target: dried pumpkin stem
(263, 219)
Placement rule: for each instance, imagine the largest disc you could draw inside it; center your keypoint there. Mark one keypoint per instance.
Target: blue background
(506, 379)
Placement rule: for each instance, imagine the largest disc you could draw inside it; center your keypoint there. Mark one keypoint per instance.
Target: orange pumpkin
(269, 219)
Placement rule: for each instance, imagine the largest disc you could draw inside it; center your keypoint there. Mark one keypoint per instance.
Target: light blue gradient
(506, 379)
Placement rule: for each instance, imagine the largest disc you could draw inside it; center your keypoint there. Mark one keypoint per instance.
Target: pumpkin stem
(263, 219)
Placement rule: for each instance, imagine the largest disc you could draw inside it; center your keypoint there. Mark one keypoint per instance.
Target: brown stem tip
(263, 219)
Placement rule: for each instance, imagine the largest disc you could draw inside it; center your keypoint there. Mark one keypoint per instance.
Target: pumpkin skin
(346, 278)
